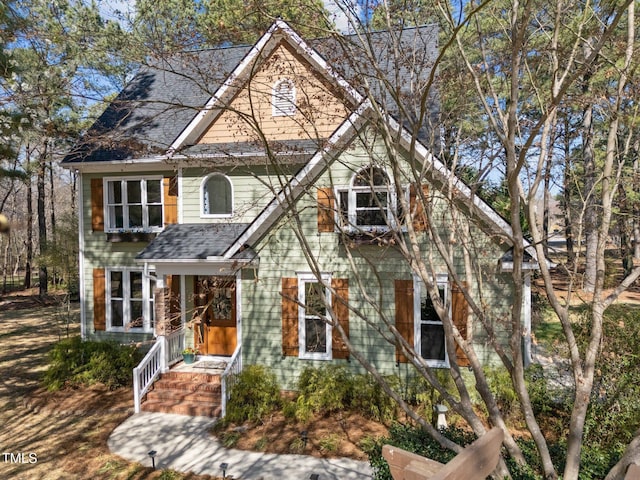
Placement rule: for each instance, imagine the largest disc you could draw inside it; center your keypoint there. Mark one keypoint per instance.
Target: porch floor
(212, 366)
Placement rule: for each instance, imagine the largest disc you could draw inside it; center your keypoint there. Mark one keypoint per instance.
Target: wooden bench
(633, 472)
(475, 462)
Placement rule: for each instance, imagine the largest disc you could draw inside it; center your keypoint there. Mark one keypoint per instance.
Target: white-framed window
(217, 196)
(283, 98)
(130, 304)
(314, 332)
(133, 204)
(429, 335)
(369, 202)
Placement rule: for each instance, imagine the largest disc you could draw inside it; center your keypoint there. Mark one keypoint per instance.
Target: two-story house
(235, 199)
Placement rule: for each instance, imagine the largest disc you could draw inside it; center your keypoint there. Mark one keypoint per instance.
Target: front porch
(162, 382)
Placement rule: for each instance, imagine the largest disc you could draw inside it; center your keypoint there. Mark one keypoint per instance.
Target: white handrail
(175, 346)
(228, 378)
(147, 371)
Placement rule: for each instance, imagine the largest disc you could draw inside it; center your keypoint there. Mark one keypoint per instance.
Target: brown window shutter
(289, 317)
(459, 315)
(341, 310)
(404, 315)
(99, 300)
(419, 218)
(326, 210)
(97, 205)
(170, 190)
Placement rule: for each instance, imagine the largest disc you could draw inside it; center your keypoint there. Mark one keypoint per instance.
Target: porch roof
(194, 242)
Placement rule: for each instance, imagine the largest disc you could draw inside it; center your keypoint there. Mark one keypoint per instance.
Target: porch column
(161, 301)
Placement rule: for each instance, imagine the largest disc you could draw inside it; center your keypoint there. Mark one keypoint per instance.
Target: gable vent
(284, 98)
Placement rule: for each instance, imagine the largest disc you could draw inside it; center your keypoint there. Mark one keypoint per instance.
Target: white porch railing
(229, 378)
(165, 352)
(175, 346)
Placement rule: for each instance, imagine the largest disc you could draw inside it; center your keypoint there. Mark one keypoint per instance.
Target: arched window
(283, 98)
(217, 195)
(369, 202)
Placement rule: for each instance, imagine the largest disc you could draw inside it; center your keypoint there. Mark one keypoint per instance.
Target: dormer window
(283, 99)
(217, 196)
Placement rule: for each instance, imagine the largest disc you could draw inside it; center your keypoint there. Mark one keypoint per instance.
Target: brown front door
(216, 300)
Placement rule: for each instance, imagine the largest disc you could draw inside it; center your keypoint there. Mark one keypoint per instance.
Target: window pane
(116, 284)
(371, 176)
(367, 199)
(370, 217)
(218, 196)
(314, 299)
(134, 194)
(154, 191)
(315, 335)
(136, 313)
(427, 310)
(116, 218)
(155, 215)
(432, 341)
(344, 207)
(135, 279)
(135, 216)
(116, 313)
(114, 190)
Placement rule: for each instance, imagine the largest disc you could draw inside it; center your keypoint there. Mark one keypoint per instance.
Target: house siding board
(281, 257)
(318, 111)
(251, 192)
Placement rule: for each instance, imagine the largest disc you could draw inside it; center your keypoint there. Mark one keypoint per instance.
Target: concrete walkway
(184, 444)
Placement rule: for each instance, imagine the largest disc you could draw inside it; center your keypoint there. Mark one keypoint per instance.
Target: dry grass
(62, 435)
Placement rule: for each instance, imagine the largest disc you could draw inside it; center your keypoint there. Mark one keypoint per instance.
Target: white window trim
(304, 278)
(203, 186)
(277, 100)
(125, 209)
(352, 226)
(148, 301)
(442, 279)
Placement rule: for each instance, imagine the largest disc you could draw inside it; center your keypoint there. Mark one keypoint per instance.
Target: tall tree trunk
(636, 205)
(29, 239)
(567, 187)
(590, 221)
(42, 224)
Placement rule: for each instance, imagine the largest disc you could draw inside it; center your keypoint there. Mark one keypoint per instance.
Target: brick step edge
(192, 409)
(212, 398)
(191, 377)
(181, 386)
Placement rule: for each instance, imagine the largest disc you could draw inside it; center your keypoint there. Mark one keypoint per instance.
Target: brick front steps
(195, 394)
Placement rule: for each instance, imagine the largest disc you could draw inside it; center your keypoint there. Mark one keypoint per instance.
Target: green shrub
(255, 394)
(323, 390)
(500, 384)
(370, 399)
(73, 362)
(332, 388)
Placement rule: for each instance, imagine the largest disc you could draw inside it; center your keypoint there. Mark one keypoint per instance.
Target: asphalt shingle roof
(161, 100)
(190, 241)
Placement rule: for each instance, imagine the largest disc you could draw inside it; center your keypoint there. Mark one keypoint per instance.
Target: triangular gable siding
(318, 111)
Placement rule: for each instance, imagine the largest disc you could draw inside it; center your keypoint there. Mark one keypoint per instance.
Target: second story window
(217, 196)
(134, 204)
(283, 98)
(369, 202)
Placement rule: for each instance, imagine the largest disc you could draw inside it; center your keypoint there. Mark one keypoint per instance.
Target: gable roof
(159, 110)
